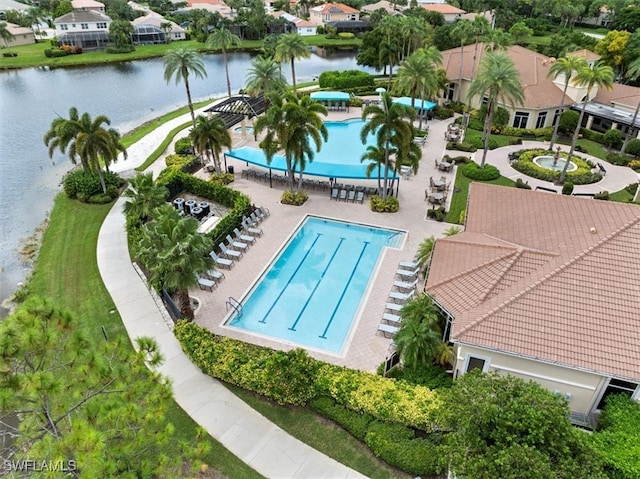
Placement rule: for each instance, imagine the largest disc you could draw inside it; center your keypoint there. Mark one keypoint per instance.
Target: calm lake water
(127, 93)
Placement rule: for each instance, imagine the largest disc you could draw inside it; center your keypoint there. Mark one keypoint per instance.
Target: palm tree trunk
(631, 129)
(563, 175)
(185, 304)
(554, 137)
(385, 182)
(293, 77)
(460, 74)
(226, 71)
(487, 132)
(102, 183)
(193, 116)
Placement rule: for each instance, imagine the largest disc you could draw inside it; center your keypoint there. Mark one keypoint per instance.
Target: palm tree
(420, 333)
(61, 135)
(387, 122)
(173, 252)
(498, 80)
(633, 73)
(292, 126)
(390, 50)
(178, 64)
(264, 76)
(566, 66)
(418, 73)
(223, 39)
(290, 47)
(6, 35)
(462, 31)
(425, 248)
(498, 40)
(376, 156)
(598, 75)
(208, 137)
(479, 27)
(144, 197)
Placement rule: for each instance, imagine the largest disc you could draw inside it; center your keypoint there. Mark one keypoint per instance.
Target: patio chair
(222, 262)
(405, 285)
(334, 193)
(229, 253)
(360, 196)
(393, 307)
(352, 196)
(343, 195)
(408, 264)
(252, 230)
(408, 273)
(387, 330)
(214, 275)
(391, 318)
(402, 297)
(244, 238)
(262, 211)
(205, 283)
(237, 245)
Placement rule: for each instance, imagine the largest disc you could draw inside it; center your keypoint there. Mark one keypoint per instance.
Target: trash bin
(230, 169)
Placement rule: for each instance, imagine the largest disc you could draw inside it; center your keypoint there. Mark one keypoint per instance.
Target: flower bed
(581, 176)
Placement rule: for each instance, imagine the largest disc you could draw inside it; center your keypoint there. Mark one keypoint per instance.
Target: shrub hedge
(295, 198)
(479, 144)
(581, 176)
(437, 214)
(522, 184)
(618, 159)
(345, 79)
(633, 147)
(185, 163)
(388, 205)
(456, 159)
(463, 146)
(473, 171)
(86, 187)
(183, 146)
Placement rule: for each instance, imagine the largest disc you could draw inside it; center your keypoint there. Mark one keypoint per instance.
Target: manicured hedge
(581, 176)
(388, 205)
(345, 79)
(86, 187)
(185, 163)
(473, 171)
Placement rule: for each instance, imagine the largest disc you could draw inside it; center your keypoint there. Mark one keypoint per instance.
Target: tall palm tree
(223, 39)
(208, 137)
(633, 73)
(264, 76)
(295, 127)
(479, 27)
(418, 73)
(376, 156)
(598, 75)
(61, 135)
(498, 40)
(425, 248)
(6, 35)
(462, 31)
(144, 196)
(420, 333)
(387, 122)
(390, 50)
(173, 252)
(178, 64)
(566, 66)
(498, 80)
(290, 47)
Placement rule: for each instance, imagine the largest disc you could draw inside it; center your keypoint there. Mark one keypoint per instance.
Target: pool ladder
(234, 304)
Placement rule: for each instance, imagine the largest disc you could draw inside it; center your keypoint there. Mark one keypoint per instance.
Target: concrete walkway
(246, 433)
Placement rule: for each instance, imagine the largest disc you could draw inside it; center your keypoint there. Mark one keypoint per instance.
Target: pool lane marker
(264, 318)
(295, 323)
(344, 291)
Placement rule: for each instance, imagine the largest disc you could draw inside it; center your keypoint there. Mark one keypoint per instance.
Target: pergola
(238, 107)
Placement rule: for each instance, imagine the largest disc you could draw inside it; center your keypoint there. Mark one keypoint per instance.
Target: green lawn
(321, 434)
(501, 140)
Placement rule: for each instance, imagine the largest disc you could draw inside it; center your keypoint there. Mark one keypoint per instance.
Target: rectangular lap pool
(313, 290)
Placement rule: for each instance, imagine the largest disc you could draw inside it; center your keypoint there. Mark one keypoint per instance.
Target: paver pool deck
(255, 440)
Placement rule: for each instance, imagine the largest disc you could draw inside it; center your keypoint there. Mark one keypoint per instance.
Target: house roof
(6, 5)
(443, 8)
(333, 8)
(539, 89)
(80, 16)
(18, 30)
(78, 4)
(586, 54)
(157, 20)
(387, 6)
(549, 277)
(620, 95)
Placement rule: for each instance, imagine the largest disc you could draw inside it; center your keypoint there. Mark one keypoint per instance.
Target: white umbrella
(380, 90)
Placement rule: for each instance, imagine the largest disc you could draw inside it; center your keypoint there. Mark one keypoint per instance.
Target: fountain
(552, 162)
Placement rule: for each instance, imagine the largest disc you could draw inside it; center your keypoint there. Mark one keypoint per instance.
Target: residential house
(295, 24)
(546, 288)
(153, 28)
(333, 12)
(83, 28)
(543, 95)
(389, 7)
(449, 12)
(88, 5)
(21, 36)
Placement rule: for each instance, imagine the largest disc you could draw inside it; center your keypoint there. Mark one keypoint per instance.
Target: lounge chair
(222, 262)
(214, 275)
(408, 264)
(343, 195)
(251, 229)
(387, 330)
(360, 196)
(352, 196)
(334, 193)
(401, 297)
(405, 285)
(408, 273)
(391, 318)
(263, 212)
(237, 245)
(229, 253)
(205, 283)
(255, 218)
(244, 238)
(393, 307)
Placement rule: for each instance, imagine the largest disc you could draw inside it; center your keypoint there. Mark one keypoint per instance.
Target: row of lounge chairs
(347, 195)
(404, 290)
(233, 249)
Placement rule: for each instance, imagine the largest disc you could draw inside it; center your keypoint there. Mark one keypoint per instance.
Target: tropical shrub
(568, 122)
(529, 132)
(388, 205)
(295, 198)
(463, 146)
(456, 159)
(478, 143)
(437, 214)
(618, 159)
(631, 188)
(346, 36)
(522, 184)
(433, 377)
(592, 135)
(633, 147)
(85, 185)
(583, 175)
(475, 124)
(222, 178)
(442, 113)
(185, 163)
(634, 165)
(183, 146)
(567, 188)
(473, 171)
(601, 195)
(612, 138)
(345, 79)
(356, 424)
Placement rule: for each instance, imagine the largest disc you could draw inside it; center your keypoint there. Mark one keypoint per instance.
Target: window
(556, 117)
(327, 17)
(520, 119)
(542, 119)
(451, 91)
(101, 25)
(84, 26)
(64, 27)
(73, 25)
(476, 362)
(617, 386)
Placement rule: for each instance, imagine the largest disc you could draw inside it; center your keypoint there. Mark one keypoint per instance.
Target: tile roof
(550, 277)
(620, 94)
(334, 8)
(586, 54)
(443, 8)
(83, 16)
(539, 90)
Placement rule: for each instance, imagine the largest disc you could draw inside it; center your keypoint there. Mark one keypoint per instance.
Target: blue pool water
(313, 290)
(339, 157)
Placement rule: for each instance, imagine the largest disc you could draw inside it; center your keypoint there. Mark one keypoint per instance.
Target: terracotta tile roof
(334, 8)
(620, 94)
(443, 8)
(82, 16)
(586, 54)
(549, 277)
(539, 90)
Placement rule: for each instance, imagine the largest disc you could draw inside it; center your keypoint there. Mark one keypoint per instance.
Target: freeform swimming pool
(312, 292)
(339, 157)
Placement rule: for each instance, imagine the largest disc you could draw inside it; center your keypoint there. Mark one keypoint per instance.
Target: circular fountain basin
(238, 129)
(547, 161)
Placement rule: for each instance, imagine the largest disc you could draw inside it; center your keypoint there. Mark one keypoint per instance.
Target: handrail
(235, 304)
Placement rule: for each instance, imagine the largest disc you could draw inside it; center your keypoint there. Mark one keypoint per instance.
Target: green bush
(100, 199)
(456, 159)
(522, 184)
(83, 186)
(388, 205)
(633, 147)
(567, 188)
(581, 176)
(346, 36)
(442, 113)
(122, 49)
(295, 198)
(183, 146)
(345, 79)
(473, 171)
(612, 138)
(568, 122)
(631, 188)
(357, 424)
(529, 132)
(592, 135)
(434, 377)
(475, 124)
(54, 53)
(479, 144)
(437, 214)
(464, 146)
(618, 159)
(222, 179)
(184, 163)
(602, 195)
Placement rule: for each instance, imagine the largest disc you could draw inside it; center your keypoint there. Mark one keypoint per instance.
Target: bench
(543, 188)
